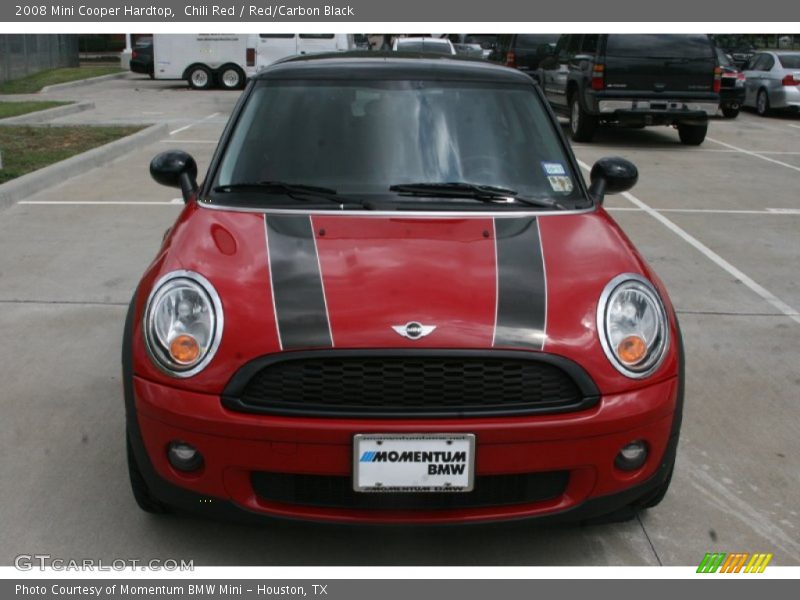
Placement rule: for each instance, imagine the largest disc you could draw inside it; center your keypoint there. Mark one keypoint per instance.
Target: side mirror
(612, 175)
(175, 168)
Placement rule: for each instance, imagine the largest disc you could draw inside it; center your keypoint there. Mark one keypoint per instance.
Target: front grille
(406, 385)
(337, 492)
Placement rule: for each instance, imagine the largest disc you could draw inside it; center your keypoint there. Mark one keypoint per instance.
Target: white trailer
(271, 47)
(205, 60)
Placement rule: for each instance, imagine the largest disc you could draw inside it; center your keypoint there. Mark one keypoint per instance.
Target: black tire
(199, 78)
(141, 493)
(762, 102)
(730, 113)
(231, 77)
(582, 125)
(692, 135)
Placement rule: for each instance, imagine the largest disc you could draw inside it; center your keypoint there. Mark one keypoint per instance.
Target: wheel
(762, 103)
(692, 135)
(231, 78)
(581, 125)
(199, 78)
(139, 487)
(730, 113)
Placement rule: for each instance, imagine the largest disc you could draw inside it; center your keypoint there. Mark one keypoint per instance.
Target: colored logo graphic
(367, 457)
(735, 562)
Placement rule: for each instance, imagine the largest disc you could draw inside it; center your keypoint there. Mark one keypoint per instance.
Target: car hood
(327, 281)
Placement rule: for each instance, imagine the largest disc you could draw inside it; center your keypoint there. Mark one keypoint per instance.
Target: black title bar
(443, 11)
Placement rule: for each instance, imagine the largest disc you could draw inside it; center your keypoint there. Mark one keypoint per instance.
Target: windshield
(485, 40)
(534, 41)
(723, 59)
(658, 45)
(430, 47)
(360, 138)
(790, 61)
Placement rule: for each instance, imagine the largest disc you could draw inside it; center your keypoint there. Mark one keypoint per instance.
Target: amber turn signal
(631, 350)
(184, 349)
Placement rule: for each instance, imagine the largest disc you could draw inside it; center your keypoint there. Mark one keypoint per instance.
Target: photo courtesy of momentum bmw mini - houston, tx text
(414, 318)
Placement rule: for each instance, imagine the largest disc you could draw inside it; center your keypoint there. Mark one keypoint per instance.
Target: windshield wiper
(473, 191)
(296, 191)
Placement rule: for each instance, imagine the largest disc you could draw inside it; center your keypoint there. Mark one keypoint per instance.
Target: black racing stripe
(521, 293)
(297, 283)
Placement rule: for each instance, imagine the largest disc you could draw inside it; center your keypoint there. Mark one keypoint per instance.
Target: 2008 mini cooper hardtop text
(393, 299)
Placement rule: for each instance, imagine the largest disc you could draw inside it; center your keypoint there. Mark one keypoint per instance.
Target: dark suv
(524, 51)
(633, 80)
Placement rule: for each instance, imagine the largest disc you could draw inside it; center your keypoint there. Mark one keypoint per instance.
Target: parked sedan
(425, 45)
(773, 82)
(488, 42)
(469, 50)
(393, 299)
(731, 91)
(740, 54)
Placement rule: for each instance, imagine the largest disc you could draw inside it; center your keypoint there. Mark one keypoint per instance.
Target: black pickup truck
(633, 80)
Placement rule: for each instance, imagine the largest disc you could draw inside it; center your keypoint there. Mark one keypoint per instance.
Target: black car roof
(390, 65)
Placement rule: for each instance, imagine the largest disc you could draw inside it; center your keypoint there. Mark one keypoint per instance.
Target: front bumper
(236, 445)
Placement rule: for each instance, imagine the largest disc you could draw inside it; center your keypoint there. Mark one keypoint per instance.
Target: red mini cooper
(393, 299)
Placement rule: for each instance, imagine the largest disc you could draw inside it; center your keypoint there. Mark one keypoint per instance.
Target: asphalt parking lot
(720, 224)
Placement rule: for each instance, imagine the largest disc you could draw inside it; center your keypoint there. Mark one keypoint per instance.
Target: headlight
(183, 323)
(632, 325)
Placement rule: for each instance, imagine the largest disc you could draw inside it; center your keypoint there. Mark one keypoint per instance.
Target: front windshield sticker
(560, 183)
(554, 168)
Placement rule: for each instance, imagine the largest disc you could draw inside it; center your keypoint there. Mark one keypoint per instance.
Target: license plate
(413, 462)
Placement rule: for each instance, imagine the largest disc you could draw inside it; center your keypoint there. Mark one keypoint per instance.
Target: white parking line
(756, 154)
(185, 127)
(761, 291)
(721, 211)
(211, 142)
(179, 129)
(784, 211)
(633, 149)
(795, 126)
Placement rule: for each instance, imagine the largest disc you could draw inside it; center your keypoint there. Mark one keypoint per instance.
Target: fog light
(632, 456)
(184, 457)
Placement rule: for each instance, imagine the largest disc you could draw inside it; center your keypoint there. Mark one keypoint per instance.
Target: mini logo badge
(414, 330)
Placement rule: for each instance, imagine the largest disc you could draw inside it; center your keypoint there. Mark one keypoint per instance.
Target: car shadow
(779, 115)
(630, 138)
